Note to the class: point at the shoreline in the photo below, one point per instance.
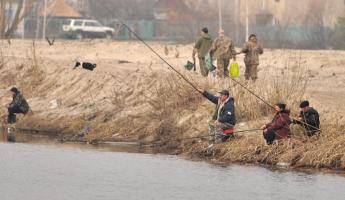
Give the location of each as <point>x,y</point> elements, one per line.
<point>151,149</point>
<point>141,100</point>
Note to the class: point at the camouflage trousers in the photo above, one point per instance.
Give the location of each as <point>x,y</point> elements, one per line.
<point>222,67</point>
<point>216,131</point>
<point>251,71</point>
<point>202,64</point>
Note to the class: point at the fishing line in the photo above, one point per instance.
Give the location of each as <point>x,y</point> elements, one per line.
<point>190,83</point>
<point>157,54</point>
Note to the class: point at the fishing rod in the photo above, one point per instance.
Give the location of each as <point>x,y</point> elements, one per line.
<point>190,83</point>
<point>196,137</point>
<point>159,56</point>
<point>268,104</point>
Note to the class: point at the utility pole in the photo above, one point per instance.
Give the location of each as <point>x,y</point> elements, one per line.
<point>237,18</point>
<point>220,14</point>
<point>44,20</point>
<point>23,21</point>
<point>247,20</point>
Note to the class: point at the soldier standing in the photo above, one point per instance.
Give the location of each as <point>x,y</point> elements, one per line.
<point>203,46</point>
<point>223,50</point>
<point>252,49</point>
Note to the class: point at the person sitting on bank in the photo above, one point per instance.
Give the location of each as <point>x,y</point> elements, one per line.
<point>308,118</point>
<point>279,128</point>
<point>18,105</point>
<point>223,120</point>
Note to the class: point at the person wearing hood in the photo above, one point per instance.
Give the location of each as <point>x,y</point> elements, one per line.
<point>224,119</point>
<point>279,128</point>
<point>309,118</point>
<point>18,105</point>
<point>202,47</point>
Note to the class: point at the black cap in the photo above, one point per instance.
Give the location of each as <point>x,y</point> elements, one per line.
<point>304,104</point>
<point>205,30</point>
<point>14,89</point>
<point>224,92</point>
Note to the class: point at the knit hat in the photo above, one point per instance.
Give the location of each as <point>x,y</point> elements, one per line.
<point>205,30</point>
<point>304,104</point>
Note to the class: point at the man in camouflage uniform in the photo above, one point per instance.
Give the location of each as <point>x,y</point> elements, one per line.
<point>223,50</point>
<point>202,47</point>
<point>18,105</point>
<point>252,49</point>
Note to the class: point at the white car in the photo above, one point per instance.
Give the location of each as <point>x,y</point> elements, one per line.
<point>85,28</point>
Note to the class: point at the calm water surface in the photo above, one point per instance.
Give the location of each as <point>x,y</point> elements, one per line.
<point>43,169</point>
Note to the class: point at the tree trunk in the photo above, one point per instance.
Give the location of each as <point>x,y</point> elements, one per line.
<point>2,18</point>
<point>8,26</point>
<point>17,19</point>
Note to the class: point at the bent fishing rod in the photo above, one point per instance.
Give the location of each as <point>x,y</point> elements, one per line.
<point>190,83</point>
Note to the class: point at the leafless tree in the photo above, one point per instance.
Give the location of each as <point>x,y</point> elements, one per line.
<point>8,25</point>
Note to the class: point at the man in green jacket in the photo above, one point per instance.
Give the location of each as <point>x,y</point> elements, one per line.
<point>202,47</point>
<point>18,105</point>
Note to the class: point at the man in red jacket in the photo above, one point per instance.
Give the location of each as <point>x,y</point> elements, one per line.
<point>279,128</point>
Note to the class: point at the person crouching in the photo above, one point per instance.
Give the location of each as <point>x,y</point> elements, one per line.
<point>18,105</point>
<point>223,121</point>
<point>279,128</point>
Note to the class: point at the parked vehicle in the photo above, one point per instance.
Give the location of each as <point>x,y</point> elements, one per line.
<point>85,28</point>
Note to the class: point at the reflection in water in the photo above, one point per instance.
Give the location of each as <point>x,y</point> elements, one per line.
<point>31,172</point>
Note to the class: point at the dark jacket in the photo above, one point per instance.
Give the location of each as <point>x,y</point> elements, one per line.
<point>311,117</point>
<point>19,101</point>
<point>280,125</point>
<point>226,113</point>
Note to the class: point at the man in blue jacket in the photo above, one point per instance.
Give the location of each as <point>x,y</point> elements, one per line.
<point>223,120</point>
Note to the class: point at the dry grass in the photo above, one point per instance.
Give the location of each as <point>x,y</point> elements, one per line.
<point>168,109</point>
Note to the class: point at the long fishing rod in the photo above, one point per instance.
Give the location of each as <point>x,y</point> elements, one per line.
<point>251,92</point>
<point>190,83</point>
<point>157,54</point>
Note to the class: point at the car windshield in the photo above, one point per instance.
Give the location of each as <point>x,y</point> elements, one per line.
<point>97,24</point>
<point>78,23</point>
<point>66,22</point>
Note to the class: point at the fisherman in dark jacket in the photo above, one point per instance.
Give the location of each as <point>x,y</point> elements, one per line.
<point>308,118</point>
<point>18,105</point>
<point>223,120</point>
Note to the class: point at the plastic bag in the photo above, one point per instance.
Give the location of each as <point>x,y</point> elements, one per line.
<point>209,62</point>
<point>234,71</point>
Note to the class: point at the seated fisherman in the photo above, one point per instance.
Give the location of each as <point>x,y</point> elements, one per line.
<point>279,128</point>
<point>223,120</point>
<point>308,118</point>
<point>18,105</point>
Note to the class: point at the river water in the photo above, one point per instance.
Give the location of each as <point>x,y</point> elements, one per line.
<point>43,169</point>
